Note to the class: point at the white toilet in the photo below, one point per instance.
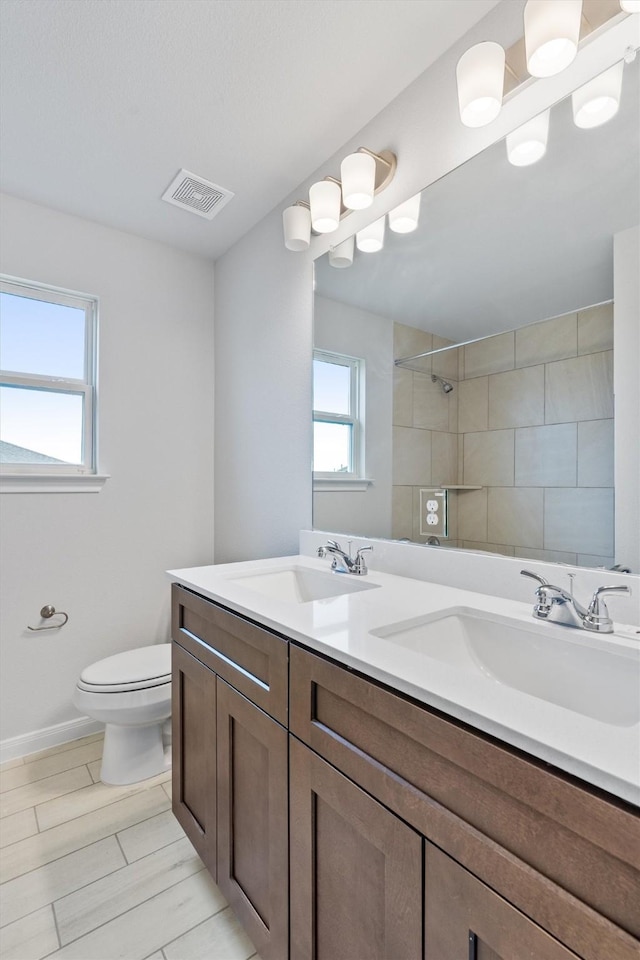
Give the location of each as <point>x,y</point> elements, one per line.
<point>131,694</point>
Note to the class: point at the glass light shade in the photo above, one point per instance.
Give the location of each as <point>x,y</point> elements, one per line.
<point>551,35</point>
<point>404,218</point>
<point>480,76</point>
<point>528,143</point>
<point>358,175</point>
<point>342,254</point>
<point>630,6</point>
<point>324,199</point>
<point>371,238</point>
<point>598,100</point>
<point>296,222</point>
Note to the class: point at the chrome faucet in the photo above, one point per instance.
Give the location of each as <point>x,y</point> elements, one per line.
<point>343,562</point>
<point>557,606</point>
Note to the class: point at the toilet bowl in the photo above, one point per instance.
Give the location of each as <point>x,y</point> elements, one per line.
<point>130,693</point>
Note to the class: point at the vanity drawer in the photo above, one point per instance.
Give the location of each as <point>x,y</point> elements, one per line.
<point>250,658</point>
<point>490,807</point>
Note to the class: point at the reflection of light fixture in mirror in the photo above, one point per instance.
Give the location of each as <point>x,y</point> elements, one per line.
<point>480,76</point>
<point>296,221</point>
<point>630,6</point>
<point>528,143</point>
<point>358,175</point>
<point>342,254</point>
<point>598,100</point>
<point>371,239</point>
<point>551,34</point>
<point>404,217</point>
<point>325,199</point>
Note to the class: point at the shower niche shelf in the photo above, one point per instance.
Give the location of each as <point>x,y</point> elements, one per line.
<point>456,486</point>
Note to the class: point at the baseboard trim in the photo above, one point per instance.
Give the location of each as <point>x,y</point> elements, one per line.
<point>38,740</point>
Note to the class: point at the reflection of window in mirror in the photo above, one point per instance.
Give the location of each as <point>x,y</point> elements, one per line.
<point>337,427</point>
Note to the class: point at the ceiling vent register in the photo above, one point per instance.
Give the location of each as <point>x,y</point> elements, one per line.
<point>196,195</point>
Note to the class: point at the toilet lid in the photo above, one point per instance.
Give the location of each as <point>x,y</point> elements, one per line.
<point>143,667</point>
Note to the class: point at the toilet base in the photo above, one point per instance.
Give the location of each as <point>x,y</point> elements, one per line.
<point>132,753</point>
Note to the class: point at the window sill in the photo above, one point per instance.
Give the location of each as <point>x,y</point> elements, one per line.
<point>341,484</point>
<point>72,483</point>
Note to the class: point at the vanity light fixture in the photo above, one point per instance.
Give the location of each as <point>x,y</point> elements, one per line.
<point>365,174</point>
<point>598,100</point>
<point>296,222</point>
<point>480,77</point>
<point>358,174</point>
<point>341,255</point>
<point>404,218</point>
<point>551,35</point>
<point>371,238</point>
<point>528,143</point>
<point>324,201</point>
<point>630,6</point>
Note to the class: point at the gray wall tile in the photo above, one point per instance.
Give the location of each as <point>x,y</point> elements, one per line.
<point>411,456</point>
<point>488,458</point>
<point>516,398</point>
<point>550,340</point>
<point>546,456</point>
<point>595,329</point>
<point>515,515</point>
<point>579,519</point>
<point>595,453</point>
<point>579,389</point>
<point>472,514</point>
<point>473,405</point>
<point>492,355</point>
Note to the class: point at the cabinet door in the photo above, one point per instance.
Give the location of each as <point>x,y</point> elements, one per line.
<point>356,870</point>
<point>465,918</point>
<point>253,820</point>
<point>193,693</point>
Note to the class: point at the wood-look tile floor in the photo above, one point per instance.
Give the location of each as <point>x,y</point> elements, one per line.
<point>93,872</point>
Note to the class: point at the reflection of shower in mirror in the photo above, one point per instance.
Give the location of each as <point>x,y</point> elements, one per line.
<point>446,386</point>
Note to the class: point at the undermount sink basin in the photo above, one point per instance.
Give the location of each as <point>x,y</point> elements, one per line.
<point>562,665</point>
<point>301,584</point>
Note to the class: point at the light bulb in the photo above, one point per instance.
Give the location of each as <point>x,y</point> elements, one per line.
<point>598,100</point>
<point>341,255</point>
<point>324,200</point>
<point>404,218</point>
<point>528,143</point>
<point>371,239</point>
<point>480,77</point>
<point>358,175</point>
<point>551,35</point>
<point>296,222</point>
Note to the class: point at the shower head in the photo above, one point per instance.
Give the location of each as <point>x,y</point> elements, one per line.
<point>446,386</point>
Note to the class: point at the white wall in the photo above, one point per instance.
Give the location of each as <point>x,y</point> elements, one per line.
<point>264,297</point>
<point>101,557</point>
<point>626,389</point>
<point>344,329</point>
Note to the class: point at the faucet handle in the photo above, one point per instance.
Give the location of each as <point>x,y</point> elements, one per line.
<point>534,576</point>
<point>359,566</point>
<point>598,613</point>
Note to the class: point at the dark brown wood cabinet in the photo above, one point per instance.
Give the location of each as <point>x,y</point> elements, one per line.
<point>253,861</point>
<point>356,870</point>
<point>193,695</point>
<point>345,821</point>
<point>230,762</point>
<point>464,918</point>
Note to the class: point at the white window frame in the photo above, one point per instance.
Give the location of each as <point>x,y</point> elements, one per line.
<point>353,478</point>
<point>23,477</point>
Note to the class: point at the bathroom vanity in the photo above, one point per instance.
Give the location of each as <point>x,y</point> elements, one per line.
<point>349,808</point>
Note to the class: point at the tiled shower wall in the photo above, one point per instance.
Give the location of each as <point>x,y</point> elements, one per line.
<point>531,423</point>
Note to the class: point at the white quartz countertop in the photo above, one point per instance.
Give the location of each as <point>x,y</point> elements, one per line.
<point>605,754</point>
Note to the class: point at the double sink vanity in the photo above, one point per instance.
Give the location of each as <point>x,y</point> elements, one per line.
<point>383,767</point>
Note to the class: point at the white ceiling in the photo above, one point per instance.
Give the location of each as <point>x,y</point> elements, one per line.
<point>103,101</point>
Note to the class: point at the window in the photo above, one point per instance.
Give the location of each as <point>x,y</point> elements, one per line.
<point>337,427</point>
<point>47,377</point>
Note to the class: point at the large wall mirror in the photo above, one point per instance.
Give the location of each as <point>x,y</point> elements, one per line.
<point>495,432</point>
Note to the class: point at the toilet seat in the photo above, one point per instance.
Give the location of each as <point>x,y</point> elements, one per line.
<point>138,669</point>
